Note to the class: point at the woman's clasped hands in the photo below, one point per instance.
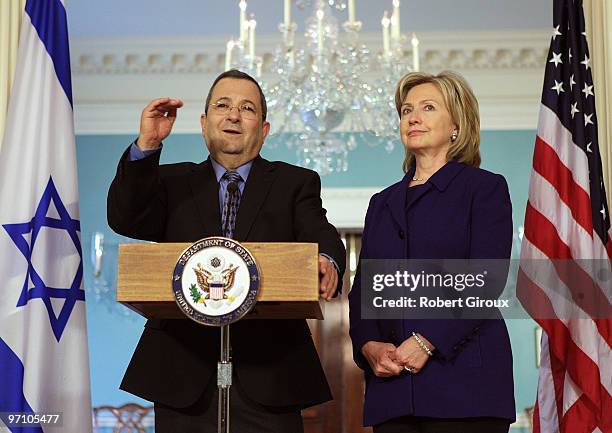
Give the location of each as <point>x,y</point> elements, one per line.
<point>387,360</point>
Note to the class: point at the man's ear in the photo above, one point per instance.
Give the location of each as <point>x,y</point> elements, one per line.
<point>265,130</point>
<point>203,122</point>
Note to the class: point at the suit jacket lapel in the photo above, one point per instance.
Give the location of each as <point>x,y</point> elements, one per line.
<point>206,194</point>
<point>396,201</point>
<point>415,198</point>
<point>440,180</point>
<point>256,190</point>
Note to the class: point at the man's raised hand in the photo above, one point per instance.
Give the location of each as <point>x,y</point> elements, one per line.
<point>156,122</point>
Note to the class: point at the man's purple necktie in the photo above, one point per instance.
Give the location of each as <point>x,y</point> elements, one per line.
<point>230,203</point>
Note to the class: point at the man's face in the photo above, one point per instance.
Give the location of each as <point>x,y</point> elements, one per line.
<point>230,138</point>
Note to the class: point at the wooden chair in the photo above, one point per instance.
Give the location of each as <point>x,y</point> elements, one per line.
<point>529,415</point>
<point>128,418</point>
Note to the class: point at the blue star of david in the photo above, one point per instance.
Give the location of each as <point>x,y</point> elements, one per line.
<point>40,290</point>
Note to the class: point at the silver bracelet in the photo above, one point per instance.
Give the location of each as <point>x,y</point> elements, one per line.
<point>422,344</point>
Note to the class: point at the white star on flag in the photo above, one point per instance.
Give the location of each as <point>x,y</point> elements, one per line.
<point>558,87</point>
<point>587,119</point>
<point>572,82</point>
<point>586,62</point>
<point>556,59</point>
<point>574,109</point>
<point>589,147</point>
<point>556,32</point>
<point>588,90</point>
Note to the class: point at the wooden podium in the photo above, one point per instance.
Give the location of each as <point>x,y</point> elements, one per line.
<point>289,289</point>
<point>289,279</point>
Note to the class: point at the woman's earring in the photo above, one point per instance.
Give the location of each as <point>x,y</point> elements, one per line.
<point>453,136</point>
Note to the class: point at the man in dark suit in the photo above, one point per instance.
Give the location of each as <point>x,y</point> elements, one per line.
<point>277,371</point>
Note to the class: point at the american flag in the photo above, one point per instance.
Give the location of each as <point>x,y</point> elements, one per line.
<point>566,221</point>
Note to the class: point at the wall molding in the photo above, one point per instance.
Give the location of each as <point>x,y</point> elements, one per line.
<point>346,207</point>
<point>439,50</point>
<point>115,78</point>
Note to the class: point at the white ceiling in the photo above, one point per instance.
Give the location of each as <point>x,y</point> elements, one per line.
<point>155,18</point>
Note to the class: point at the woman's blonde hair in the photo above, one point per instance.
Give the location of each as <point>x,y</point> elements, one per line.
<point>462,106</point>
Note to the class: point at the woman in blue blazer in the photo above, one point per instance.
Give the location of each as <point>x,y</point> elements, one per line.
<point>436,375</point>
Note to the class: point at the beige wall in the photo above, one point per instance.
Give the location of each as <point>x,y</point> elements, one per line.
<point>598,17</point>
<point>11,12</point>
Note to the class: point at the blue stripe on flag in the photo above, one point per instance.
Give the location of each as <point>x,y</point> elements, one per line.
<point>49,19</point>
<point>12,398</point>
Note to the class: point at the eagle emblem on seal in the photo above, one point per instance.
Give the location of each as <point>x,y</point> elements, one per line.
<point>214,280</point>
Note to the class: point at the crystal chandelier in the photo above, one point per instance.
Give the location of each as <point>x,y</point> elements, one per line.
<point>320,104</point>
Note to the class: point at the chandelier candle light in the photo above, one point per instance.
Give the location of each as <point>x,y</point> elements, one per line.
<point>386,22</point>
<point>287,14</point>
<point>351,11</point>
<point>228,54</point>
<point>320,15</point>
<point>395,22</point>
<point>243,29</point>
<point>251,25</point>
<point>240,53</point>
<point>415,52</point>
<point>320,103</point>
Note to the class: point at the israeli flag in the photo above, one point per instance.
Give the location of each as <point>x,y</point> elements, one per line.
<point>44,365</point>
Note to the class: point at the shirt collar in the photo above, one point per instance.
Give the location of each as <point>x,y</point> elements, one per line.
<point>441,178</point>
<point>243,170</point>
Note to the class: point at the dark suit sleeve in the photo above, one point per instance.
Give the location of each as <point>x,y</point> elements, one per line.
<point>490,238</point>
<point>136,203</point>
<point>311,224</point>
<point>361,331</point>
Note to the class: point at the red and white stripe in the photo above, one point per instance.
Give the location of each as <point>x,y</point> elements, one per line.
<point>216,292</point>
<point>575,384</point>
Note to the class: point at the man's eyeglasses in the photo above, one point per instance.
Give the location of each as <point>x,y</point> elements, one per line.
<point>246,109</point>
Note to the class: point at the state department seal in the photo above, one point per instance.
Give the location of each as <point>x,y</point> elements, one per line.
<point>215,281</point>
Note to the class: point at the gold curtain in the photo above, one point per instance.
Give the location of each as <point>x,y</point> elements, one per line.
<point>598,18</point>
<point>11,12</point>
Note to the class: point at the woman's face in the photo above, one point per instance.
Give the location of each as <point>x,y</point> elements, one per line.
<point>426,124</point>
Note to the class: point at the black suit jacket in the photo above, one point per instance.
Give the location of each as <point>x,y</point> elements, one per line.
<point>175,360</point>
